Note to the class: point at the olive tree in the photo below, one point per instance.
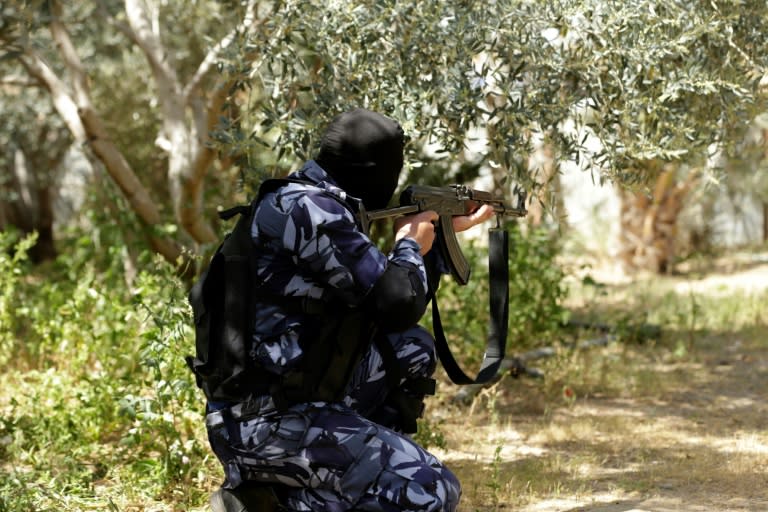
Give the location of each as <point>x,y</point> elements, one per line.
<point>676,87</point>
<point>668,90</point>
<point>57,47</point>
<point>249,83</point>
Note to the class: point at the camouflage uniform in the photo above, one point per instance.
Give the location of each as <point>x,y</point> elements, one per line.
<point>328,456</point>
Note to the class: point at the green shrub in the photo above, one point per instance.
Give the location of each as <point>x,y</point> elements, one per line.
<point>99,409</point>
<point>168,409</point>
<point>96,391</point>
<point>14,266</point>
<point>536,288</point>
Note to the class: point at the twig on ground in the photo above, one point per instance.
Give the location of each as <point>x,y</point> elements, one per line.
<point>518,365</point>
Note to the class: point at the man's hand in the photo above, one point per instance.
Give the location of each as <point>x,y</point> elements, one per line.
<point>464,222</point>
<point>420,227</point>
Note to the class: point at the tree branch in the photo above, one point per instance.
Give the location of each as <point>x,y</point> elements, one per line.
<point>190,200</point>
<point>123,28</point>
<point>210,59</point>
<point>63,102</point>
<point>145,38</point>
<point>220,92</point>
<point>70,56</point>
<point>129,184</point>
<point>20,81</point>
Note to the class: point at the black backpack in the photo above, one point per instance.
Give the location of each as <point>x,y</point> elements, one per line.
<point>222,306</point>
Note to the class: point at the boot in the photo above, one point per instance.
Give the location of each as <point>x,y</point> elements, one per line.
<point>245,498</point>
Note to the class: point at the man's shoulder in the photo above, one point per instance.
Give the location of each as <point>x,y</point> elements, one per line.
<point>306,204</point>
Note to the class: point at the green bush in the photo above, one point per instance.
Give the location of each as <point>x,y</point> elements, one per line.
<point>14,266</point>
<point>536,288</point>
<point>96,391</point>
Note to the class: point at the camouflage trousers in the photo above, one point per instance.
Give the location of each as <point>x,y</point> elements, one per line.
<point>330,456</point>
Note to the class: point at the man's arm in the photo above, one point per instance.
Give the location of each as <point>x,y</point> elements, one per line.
<point>329,247</point>
<point>421,228</point>
<point>450,203</point>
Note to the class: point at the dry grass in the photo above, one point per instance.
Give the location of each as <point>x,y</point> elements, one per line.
<point>678,423</point>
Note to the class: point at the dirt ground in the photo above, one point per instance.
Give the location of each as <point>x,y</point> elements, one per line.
<point>685,432</point>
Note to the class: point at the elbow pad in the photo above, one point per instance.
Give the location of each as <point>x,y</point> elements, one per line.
<point>398,299</point>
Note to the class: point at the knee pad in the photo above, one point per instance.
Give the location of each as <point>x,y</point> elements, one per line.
<point>405,404</point>
<point>422,350</point>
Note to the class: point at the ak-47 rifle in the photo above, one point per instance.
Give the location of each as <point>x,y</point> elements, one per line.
<point>449,202</point>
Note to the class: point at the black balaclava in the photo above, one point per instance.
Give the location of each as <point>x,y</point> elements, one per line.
<point>363,152</point>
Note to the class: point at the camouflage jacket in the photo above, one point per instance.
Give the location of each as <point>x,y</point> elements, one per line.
<point>309,244</point>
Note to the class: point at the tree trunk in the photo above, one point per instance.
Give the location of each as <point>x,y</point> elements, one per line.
<point>186,142</point>
<point>26,202</point>
<point>765,222</point>
<point>649,221</point>
<point>765,156</point>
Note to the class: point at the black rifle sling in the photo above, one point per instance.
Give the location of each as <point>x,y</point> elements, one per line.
<point>498,270</point>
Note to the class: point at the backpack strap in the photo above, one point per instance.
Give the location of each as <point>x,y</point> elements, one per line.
<point>235,210</point>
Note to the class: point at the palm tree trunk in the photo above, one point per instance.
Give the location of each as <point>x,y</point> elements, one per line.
<point>649,220</point>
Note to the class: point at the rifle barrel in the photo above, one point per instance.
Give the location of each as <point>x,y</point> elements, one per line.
<point>505,209</point>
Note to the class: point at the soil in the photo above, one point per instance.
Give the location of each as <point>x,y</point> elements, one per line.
<point>686,429</point>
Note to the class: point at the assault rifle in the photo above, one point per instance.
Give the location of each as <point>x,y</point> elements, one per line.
<point>449,202</point>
